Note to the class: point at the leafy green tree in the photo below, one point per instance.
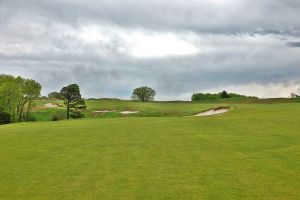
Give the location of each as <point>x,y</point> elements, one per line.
<point>10,93</point>
<point>224,95</point>
<point>28,89</point>
<point>32,91</point>
<point>76,108</point>
<point>143,94</point>
<point>17,95</point>
<point>72,99</point>
<point>55,95</point>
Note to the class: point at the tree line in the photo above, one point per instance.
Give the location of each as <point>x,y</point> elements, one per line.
<point>216,96</point>
<point>142,94</point>
<point>16,97</point>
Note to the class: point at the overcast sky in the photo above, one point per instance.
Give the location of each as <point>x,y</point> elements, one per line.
<point>177,47</point>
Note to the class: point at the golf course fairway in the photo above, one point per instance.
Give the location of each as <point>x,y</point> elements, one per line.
<point>251,152</point>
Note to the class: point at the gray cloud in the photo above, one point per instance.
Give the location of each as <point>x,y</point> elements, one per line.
<point>240,43</point>
<point>233,17</point>
<point>293,44</point>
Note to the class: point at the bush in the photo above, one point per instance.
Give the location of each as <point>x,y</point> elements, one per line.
<point>30,118</point>
<point>59,115</point>
<point>5,118</point>
<point>76,114</point>
<point>207,96</point>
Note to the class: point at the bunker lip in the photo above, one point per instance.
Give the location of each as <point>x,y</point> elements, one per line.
<point>214,111</point>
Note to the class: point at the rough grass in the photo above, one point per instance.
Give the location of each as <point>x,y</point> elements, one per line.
<point>252,152</point>
<point>152,109</point>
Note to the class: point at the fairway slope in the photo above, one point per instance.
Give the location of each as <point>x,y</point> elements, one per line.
<point>250,153</point>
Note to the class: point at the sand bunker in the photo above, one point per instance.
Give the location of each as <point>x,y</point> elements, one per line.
<point>214,111</point>
<point>125,112</point>
<point>128,112</point>
<point>104,111</point>
<point>50,105</point>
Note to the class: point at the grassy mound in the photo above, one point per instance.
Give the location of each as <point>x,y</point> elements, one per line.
<point>152,109</point>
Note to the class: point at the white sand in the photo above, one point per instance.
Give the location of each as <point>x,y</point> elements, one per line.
<point>125,112</point>
<point>215,111</point>
<point>128,112</point>
<point>50,105</point>
<point>104,111</point>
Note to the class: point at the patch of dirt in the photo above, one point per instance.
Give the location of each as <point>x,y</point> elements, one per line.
<point>214,111</point>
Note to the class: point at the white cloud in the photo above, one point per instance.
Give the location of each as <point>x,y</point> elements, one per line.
<point>222,2</point>
<point>138,43</point>
<point>159,45</point>
<point>94,34</point>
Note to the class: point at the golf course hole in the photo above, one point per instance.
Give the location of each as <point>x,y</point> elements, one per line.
<point>215,111</point>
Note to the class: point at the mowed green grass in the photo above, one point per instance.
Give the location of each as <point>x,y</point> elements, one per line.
<point>251,152</point>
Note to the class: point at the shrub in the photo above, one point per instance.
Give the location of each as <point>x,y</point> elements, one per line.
<point>59,115</point>
<point>5,118</point>
<point>30,118</point>
<point>76,114</point>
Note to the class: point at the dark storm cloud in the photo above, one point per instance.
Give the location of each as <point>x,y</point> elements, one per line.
<point>232,17</point>
<point>170,77</point>
<point>294,44</point>
<point>240,42</point>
